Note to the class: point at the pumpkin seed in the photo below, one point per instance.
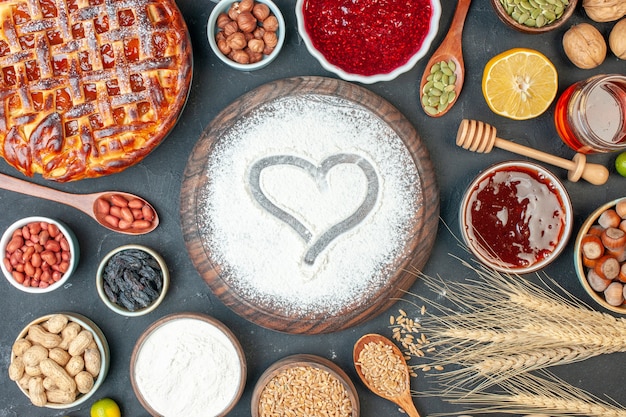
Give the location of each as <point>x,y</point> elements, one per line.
<point>535,13</point>
<point>440,88</point>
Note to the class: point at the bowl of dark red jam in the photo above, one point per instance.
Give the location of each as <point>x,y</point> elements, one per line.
<point>368,41</point>
<point>132,280</point>
<point>516,217</point>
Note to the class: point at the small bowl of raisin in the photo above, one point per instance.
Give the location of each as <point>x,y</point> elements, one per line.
<point>132,280</point>
<point>246,34</point>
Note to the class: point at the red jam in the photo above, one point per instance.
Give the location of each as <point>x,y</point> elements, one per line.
<point>515,216</point>
<point>367,37</point>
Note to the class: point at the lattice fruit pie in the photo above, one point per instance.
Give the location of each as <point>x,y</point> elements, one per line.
<point>89,87</point>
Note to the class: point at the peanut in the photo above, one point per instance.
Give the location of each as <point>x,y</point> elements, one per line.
<point>59,355</point>
<point>49,384</point>
<point>36,392</point>
<point>32,370</point>
<point>16,369</point>
<point>59,375</point>
<point>92,361</point>
<point>23,381</point>
<point>75,365</point>
<point>80,343</point>
<point>68,334</point>
<point>20,346</point>
<point>56,323</point>
<point>84,382</point>
<point>38,335</point>
<point>121,213</point>
<point>61,397</point>
<point>34,355</point>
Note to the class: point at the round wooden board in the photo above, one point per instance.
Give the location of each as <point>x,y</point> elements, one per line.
<point>422,234</point>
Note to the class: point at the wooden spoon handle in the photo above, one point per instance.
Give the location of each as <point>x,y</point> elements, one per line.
<point>28,188</point>
<point>406,402</point>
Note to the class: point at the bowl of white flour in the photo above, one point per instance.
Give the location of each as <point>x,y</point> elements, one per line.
<point>188,364</point>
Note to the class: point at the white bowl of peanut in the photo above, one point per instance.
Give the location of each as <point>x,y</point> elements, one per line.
<point>59,360</point>
<point>246,34</point>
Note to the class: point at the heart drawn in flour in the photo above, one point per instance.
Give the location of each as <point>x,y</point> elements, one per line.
<point>319,174</point>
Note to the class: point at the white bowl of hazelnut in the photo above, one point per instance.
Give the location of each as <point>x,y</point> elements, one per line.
<point>246,34</point>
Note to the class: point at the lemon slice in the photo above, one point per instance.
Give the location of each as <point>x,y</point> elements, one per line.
<point>519,83</point>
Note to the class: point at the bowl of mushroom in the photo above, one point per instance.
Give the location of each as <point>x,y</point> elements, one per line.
<point>59,360</point>
<point>246,34</point>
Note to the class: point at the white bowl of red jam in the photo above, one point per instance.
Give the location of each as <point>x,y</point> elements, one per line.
<point>368,41</point>
<point>516,217</point>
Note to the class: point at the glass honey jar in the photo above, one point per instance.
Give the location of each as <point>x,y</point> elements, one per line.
<point>590,115</point>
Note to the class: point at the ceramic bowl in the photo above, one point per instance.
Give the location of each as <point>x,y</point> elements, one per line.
<point>531,210</point>
<point>72,247</point>
<point>312,363</point>
<point>369,79</point>
<point>119,306</point>
<point>212,29</point>
<point>187,356</point>
<point>101,343</point>
<point>503,13</point>
<point>595,286</point>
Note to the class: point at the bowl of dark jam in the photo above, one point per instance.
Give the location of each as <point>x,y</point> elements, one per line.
<point>516,217</point>
<point>132,280</point>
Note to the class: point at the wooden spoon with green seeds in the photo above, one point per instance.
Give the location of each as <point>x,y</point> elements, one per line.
<point>445,71</point>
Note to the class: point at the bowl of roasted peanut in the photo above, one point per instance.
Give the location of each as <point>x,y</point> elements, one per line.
<point>246,34</point>
<point>40,254</point>
<point>600,255</point>
<point>59,360</point>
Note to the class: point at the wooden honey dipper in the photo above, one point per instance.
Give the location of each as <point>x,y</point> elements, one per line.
<point>478,136</point>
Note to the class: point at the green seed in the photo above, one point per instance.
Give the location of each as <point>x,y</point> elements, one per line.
<point>450,87</point>
<point>431,110</point>
<point>451,96</point>
<point>443,99</point>
<point>427,87</point>
<point>452,65</point>
<point>435,68</point>
<point>435,92</point>
<point>432,100</point>
<point>437,76</point>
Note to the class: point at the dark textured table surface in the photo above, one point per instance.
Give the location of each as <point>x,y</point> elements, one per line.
<point>158,178</point>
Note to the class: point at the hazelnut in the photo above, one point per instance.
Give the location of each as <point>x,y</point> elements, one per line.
<point>240,56</point>
<point>270,39</point>
<point>268,50</point>
<point>246,5</point>
<point>233,11</point>
<point>254,56</point>
<point>261,11</point>
<point>246,22</point>
<point>270,23</point>
<point>222,20</point>
<point>256,45</point>
<point>236,41</point>
<point>230,28</point>
<point>258,32</point>
<point>584,46</point>
<point>617,39</point>
<point>222,45</point>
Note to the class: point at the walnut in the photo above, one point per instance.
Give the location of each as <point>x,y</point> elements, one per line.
<point>617,39</point>
<point>605,10</point>
<point>584,46</point>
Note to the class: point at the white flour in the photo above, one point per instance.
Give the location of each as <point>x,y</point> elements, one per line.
<point>187,367</point>
<point>261,255</point>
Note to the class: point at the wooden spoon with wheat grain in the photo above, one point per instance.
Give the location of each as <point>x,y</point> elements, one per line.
<point>383,369</point>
